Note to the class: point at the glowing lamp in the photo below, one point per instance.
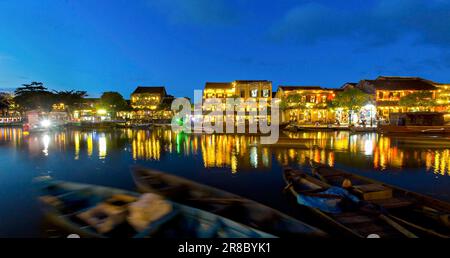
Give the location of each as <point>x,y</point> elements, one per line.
<point>101,112</point>
<point>45,123</point>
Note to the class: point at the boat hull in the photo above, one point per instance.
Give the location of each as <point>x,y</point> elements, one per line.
<point>249,212</point>
<point>181,213</point>
<point>414,129</point>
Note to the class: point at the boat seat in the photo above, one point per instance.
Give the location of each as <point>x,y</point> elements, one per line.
<point>392,203</point>
<point>353,219</point>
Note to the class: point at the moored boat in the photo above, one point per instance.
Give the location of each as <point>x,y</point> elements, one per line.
<point>416,211</point>
<point>355,129</point>
<point>444,129</point>
<point>416,122</point>
<point>223,203</point>
<point>340,209</point>
<point>99,212</point>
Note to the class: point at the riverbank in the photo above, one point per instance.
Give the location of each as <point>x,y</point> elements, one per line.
<point>17,124</point>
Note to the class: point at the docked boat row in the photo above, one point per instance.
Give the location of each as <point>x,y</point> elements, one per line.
<point>399,123</point>
<point>361,206</point>
<point>101,212</point>
<point>168,206</point>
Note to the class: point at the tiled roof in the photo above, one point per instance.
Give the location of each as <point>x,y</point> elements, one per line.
<point>301,88</point>
<point>150,89</point>
<point>401,84</point>
<point>218,85</point>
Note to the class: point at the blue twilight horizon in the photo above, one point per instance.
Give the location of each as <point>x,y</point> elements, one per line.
<point>116,45</point>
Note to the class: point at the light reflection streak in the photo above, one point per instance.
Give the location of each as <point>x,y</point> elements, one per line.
<point>235,152</point>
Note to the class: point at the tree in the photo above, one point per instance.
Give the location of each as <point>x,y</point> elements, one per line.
<point>418,99</point>
<point>292,101</point>
<point>33,96</point>
<point>351,100</point>
<point>5,102</point>
<point>70,98</point>
<point>113,101</point>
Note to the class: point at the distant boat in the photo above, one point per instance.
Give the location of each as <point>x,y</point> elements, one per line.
<point>223,203</point>
<point>418,212</point>
<point>99,212</point>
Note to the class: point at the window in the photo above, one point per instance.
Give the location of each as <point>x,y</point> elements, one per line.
<point>265,93</point>
<point>254,93</point>
<point>380,95</point>
<point>242,93</point>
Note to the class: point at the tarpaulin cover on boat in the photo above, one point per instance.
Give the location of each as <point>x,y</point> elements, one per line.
<point>327,204</point>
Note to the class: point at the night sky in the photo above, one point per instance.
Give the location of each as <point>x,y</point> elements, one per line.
<point>115,45</point>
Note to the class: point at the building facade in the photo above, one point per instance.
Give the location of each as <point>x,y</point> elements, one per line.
<point>147,97</point>
<point>306,104</point>
<point>258,90</point>
<point>150,103</point>
<point>388,91</point>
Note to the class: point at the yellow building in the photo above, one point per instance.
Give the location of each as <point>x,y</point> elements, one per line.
<point>86,110</point>
<point>150,103</point>
<point>257,89</point>
<point>389,90</point>
<point>443,96</point>
<point>245,89</point>
<point>147,97</point>
<point>306,104</point>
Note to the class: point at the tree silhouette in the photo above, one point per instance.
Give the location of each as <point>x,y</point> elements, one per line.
<point>33,96</point>
<point>5,102</point>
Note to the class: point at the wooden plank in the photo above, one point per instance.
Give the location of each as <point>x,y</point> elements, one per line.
<point>393,203</point>
<point>371,192</point>
<point>354,219</point>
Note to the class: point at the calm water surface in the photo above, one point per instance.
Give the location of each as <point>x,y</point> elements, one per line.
<point>229,162</point>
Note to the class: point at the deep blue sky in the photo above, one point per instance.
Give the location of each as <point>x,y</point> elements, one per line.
<point>102,45</point>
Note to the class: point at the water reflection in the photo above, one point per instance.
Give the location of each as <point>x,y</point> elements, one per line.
<point>238,153</point>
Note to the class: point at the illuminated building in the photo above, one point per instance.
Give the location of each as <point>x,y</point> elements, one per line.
<point>11,113</point>
<point>151,103</point>
<point>147,97</point>
<point>86,110</point>
<point>59,107</point>
<point>389,90</point>
<point>306,104</point>
<point>246,89</point>
<point>443,99</point>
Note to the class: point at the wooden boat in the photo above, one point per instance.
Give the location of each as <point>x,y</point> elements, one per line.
<point>355,129</point>
<point>283,125</point>
<point>414,129</point>
<point>283,143</point>
<point>416,211</point>
<point>75,207</point>
<point>416,122</point>
<point>344,213</point>
<point>220,202</point>
<point>142,126</point>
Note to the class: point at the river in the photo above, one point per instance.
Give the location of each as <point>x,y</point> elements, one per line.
<point>230,162</point>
